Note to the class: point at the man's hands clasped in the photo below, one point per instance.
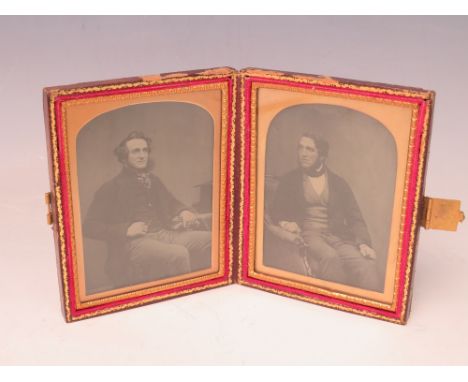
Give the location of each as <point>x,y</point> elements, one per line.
<point>186,220</point>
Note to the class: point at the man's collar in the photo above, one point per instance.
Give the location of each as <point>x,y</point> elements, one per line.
<point>314,173</point>
<point>132,172</point>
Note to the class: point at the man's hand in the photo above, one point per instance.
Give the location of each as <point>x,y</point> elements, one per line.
<point>137,229</point>
<point>293,238</point>
<point>367,251</point>
<point>189,219</point>
<point>292,227</point>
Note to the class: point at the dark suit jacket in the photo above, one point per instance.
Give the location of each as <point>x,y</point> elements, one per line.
<point>345,218</point>
<point>119,203</point>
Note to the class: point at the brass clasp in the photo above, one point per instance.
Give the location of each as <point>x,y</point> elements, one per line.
<point>442,214</point>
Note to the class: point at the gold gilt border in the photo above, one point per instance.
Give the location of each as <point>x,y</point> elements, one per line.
<point>422,95</point>
<point>331,82</point>
<point>195,88</point>
<point>252,241</point>
<point>59,221</point>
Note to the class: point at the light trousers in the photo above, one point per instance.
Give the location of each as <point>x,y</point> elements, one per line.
<point>166,253</point>
<point>340,261</point>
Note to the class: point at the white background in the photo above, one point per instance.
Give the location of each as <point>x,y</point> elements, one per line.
<point>230,325</point>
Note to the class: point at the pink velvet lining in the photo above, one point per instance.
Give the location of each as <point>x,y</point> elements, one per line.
<point>409,206</point>
<point>65,194</point>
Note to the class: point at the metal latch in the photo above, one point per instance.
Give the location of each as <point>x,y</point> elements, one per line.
<point>442,214</point>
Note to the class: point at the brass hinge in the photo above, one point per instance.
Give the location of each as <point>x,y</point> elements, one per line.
<point>48,202</point>
<point>442,214</point>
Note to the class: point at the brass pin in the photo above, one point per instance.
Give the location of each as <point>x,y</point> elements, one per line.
<point>48,202</point>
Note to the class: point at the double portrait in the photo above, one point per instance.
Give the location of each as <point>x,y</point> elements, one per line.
<point>172,184</point>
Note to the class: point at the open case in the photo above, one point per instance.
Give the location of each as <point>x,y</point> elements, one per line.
<point>306,186</point>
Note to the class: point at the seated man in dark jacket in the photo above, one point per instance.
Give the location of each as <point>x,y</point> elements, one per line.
<point>149,233</point>
<point>317,211</point>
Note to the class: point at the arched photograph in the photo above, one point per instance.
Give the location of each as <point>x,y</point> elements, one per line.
<point>329,188</point>
<point>146,209</point>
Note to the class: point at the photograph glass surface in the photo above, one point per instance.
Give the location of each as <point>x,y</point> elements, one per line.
<point>145,177</point>
<point>329,188</point>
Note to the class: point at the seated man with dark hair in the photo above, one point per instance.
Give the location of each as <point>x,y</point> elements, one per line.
<point>316,210</point>
<point>149,233</point>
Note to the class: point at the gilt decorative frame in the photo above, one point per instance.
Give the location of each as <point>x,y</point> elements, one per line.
<point>421,102</point>
<point>56,103</point>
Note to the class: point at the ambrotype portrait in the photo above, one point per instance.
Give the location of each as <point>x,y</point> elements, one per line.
<point>329,177</point>
<point>147,207</point>
<point>141,188</point>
